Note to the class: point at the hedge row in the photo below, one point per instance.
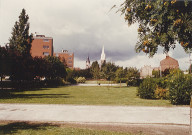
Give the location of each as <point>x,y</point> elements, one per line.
<point>177,88</point>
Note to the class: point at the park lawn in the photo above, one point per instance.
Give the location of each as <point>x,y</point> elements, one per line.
<point>24,128</point>
<point>82,95</point>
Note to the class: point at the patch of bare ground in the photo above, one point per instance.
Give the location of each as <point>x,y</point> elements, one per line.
<point>143,129</point>
<point>147,129</point>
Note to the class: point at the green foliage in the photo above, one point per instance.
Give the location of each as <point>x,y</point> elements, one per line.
<point>161,23</point>
<point>95,70</point>
<point>161,93</point>
<point>156,74</point>
<point>81,80</point>
<point>123,80</point>
<point>108,71</point>
<point>82,73</point>
<point>147,88</point>
<point>69,77</point>
<point>133,76</point>
<point>20,39</point>
<point>55,68</point>
<point>180,89</point>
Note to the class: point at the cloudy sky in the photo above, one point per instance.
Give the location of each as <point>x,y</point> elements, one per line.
<point>83,27</point>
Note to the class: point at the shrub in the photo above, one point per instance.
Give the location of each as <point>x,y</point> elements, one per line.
<point>147,88</point>
<point>180,89</point>
<point>123,80</point>
<point>161,93</point>
<point>162,82</point>
<point>81,80</point>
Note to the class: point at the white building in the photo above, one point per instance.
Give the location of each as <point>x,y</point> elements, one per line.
<point>146,71</point>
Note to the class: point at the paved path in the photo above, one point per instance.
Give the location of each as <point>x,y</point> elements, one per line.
<point>96,114</point>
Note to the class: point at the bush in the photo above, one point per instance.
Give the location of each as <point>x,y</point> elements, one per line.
<point>180,89</point>
<point>123,80</point>
<point>161,93</point>
<point>147,88</point>
<point>81,80</point>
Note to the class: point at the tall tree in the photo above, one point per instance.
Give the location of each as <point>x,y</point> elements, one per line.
<point>161,23</point>
<point>20,39</point>
<point>95,69</point>
<point>119,73</point>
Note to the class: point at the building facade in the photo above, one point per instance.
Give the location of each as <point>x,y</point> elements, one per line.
<point>66,57</point>
<point>168,63</point>
<point>42,46</point>
<point>146,71</point>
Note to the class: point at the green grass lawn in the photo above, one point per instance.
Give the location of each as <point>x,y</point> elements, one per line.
<point>24,128</point>
<point>81,95</point>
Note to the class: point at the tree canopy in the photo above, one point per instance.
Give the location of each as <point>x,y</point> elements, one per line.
<point>20,38</point>
<point>161,23</point>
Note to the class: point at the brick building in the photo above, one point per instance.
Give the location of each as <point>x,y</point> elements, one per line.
<point>169,63</point>
<point>42,46</point>
<point>66,57</point>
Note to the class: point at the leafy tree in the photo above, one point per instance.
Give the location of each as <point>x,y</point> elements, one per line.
<point>4,68</point>
<point>55,68</point>
<point>119,73</point>
<point>108,70</point>
<point>82,73</point>
<point>95,69</point>
<point>132,76</point>
<point>156,73</point>
<point>161,23</point>
<point>20,39</point>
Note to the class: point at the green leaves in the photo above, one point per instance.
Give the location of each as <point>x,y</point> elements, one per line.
<point>20,39</point>
<point>163,21</point>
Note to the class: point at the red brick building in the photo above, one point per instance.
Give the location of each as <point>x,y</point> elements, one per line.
<point>42,46</point>
<point>66,57</point>
<point>169,63</point>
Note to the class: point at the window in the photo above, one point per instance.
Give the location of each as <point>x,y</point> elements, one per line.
<point>70,58</point>
<point>45,40</point>
<point>45,47</point>
<point>70,62</point>
<point>46,53</point>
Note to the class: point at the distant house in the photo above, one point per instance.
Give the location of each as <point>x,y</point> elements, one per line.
<point>146,71</point>
<point>169,63</point>
<point>66,57</point>
<point>42,46</point>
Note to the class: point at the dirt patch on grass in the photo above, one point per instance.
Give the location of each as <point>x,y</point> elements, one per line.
<point>144,129</point>
<point>147,129</point>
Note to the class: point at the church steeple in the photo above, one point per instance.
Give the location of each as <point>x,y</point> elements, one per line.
<point>103,56</point>
<point>88,64</point>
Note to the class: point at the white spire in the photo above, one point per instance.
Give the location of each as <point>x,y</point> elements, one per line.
<point>103,55</point>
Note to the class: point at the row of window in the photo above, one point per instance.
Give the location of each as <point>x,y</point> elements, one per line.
<point>45,47</point>
<point>45,40</point>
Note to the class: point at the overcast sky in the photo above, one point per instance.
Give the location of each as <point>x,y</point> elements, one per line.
<point>83,27</point>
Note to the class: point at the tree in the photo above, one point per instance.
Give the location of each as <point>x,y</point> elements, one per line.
<point>95,69</point>
<point>132,76</point>
<point>55,68</point>
<point>161,23</point>
<point>4,68</point>
<point>119,73</point>
<point>108,70</point>
<point>20,39</point>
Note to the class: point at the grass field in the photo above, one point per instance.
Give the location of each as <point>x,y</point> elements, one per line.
<point>24,128</point>
<point>81,95</point>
